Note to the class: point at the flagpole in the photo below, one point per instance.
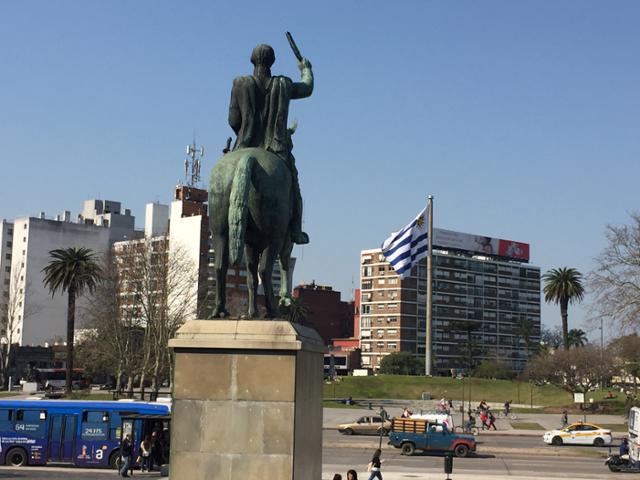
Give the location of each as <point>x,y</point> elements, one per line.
<point>428,333</point>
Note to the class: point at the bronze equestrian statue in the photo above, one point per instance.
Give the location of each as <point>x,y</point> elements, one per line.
<point>255,205</point>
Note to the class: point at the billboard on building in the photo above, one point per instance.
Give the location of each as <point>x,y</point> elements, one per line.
<point>481,244</point>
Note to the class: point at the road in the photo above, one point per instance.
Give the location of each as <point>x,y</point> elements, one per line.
<point>499,456</point>
<point>507,444</point>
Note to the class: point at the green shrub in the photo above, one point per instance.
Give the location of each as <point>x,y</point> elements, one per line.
<point>401,363</point>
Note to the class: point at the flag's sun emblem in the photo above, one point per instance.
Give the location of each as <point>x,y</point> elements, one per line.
<point>420,221</point>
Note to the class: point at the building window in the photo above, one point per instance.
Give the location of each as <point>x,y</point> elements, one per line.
<point>380,344</point>
<point>381,281</point>
<point>392,319</point>
<point>391,346</point>
<point>392,281</point>
<point>366,271</point>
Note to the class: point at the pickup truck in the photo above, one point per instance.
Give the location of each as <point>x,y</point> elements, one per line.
<point>411,434</point>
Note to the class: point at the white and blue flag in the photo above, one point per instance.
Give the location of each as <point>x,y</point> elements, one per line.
<point>405,248</point>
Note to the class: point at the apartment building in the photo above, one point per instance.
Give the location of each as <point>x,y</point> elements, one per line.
<point>40,317</point>
<point>6,245</point>
<point>486,304</point>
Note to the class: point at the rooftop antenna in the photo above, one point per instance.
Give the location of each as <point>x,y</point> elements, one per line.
<point>192,163</point>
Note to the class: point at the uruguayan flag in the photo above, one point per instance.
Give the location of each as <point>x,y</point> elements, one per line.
<point>403,249</point>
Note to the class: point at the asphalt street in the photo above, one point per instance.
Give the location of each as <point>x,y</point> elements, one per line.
<point>498,456</point>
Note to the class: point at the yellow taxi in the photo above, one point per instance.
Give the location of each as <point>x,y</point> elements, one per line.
<point>580,433</point>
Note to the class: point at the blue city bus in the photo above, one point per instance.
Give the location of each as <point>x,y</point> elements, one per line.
<point>80,433</point>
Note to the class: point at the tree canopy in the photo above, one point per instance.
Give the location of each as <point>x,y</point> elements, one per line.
<point>563,286</point>
<point>401,363</point>
<point>615,280</point>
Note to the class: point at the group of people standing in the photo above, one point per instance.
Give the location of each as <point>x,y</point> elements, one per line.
<point>151,452</point>
<point>374,468</point>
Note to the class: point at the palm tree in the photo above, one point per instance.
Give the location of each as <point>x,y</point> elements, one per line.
<point>523,329</point>
<point>72,270</point>
<point>577,337</point>
<point>294,310</point>
<point>563,286</point>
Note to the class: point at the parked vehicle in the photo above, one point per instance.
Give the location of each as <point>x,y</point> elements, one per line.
<point>73,433</point>
<point>579,433</point>
<point>411,434</point>
<point>367,425</point>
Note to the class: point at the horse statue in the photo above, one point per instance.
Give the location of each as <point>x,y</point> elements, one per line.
<point>250,208</point>
<point>255,206</point>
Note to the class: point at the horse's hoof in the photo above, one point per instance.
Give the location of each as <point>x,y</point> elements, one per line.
<point>220,313</point>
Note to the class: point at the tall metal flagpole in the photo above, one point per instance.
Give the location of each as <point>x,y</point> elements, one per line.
<point>427,350</point>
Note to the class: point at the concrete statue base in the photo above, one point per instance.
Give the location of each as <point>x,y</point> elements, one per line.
<point>247,401</point>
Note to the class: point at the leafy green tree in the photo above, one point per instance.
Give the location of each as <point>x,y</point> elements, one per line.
<point>563,286</point>
<point>74,271</point>
<point>401,363</point>
<point>577,338</point>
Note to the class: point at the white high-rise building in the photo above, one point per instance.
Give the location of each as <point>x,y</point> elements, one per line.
<point>156,220</point>
<point>6,241</point>
<point>39,316</point>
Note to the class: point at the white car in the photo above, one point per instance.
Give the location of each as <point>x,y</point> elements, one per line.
<point>579,434</point>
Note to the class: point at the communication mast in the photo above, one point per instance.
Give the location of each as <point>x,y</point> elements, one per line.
<point>192,164</point>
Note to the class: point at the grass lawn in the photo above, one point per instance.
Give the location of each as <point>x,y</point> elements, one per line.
<point>8,394</point>
<point>527,426</point>
<point>411,387</point>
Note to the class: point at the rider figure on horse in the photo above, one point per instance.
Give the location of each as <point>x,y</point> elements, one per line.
<point>258,115</point>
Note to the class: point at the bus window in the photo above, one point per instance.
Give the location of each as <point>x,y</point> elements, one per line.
<point>5,420</point>
<point>115,426</point>
<point>31,422</point>
<point>95,425</point>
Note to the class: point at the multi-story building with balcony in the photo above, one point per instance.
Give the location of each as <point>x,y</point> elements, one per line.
<point>486,304</point>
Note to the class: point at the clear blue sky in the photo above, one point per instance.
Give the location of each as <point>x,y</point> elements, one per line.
<point>521,118</point>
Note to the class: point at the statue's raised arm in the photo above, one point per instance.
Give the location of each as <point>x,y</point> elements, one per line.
<point>304,88</point>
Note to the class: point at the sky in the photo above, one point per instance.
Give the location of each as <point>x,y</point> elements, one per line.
<point>520,118</point>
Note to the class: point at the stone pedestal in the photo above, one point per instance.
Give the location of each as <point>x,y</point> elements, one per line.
<point>247,401</point>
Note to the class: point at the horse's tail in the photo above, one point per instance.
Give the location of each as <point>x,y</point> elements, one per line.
<point>238,207</point>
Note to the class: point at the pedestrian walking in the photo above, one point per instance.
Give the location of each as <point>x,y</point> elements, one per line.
<point>352,475</point>
<point>145,454</point>
<point>375,465</point>
<point>483,419</point>
<point>565,419</point>
<point>492,421</point>
<point>156,456</point>
<point>126,452</point>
